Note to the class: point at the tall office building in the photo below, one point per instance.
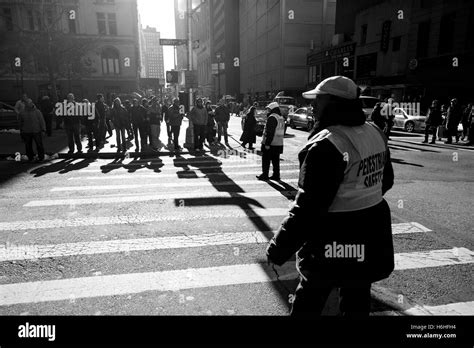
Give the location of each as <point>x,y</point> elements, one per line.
<point>275,38</point>
<point>152,53</point>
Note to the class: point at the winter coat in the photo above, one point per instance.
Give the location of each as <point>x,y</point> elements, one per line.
<point>119,116</point>
<point>453,117</point>
<point>198,116</point>
<point>222,114</point>
<point>138,115</point>
<point>32,121</point>
<point>249,135</point>
<point>173,116</point>
<point>309,227</point>
<point>101,110</point>
<point>154,114</point>
<point>434,118</point>
<point>378,119</point>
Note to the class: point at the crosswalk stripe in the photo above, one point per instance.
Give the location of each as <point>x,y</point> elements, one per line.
<point>113,285</point>
<point>33,252</point>
<point>433,258</point>
<point>458,308</point>
<point>402,148</point>
<point>174,175</point>
<point>199,183</point>
<point>182,214</point>
<point>155,197</point>
<point>11,252</point>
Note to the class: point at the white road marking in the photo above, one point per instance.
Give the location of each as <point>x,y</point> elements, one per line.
<point>433,258</point>
<point>199,183</point>
<point>182,214</point>
<point>458,308</point>
<point>113,285</point>
<point>31,252</point>
<point>154,197</point>
<point>395,147</point>
<point>409,227</point>
<point>158,176</point>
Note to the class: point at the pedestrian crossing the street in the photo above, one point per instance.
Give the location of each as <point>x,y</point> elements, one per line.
<point>187,239</point>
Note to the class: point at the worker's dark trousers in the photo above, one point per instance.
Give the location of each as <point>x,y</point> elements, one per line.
<point>273,156</point>
<point>311,296</point>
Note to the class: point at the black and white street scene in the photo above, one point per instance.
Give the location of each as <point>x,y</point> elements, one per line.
<point>237,158</point>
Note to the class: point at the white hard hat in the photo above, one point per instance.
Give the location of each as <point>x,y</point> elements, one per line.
<point>272,105</point>
<point>339,86</point>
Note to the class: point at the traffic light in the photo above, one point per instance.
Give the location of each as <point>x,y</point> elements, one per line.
<point>172,77</point>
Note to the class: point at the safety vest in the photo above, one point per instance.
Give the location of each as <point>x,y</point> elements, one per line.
<point>365,150</point>
<point>279,131</point>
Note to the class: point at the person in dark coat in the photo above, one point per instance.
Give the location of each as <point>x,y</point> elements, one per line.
<point>211,125</point>
<point>249,136</point>
<point>465,121</point>
<point>101,110</point>
<point>377,117</point>
<point>454,116</point>
<point>92,128</point>
<point>222,118</point>
<point>32,126</point>
<point>433,121</point>
<point>174,118</point>
<point>72,125</point>
<point>120,119</point>
<point>46,107</point>
<point>339,224</point>
<point>138,118</point>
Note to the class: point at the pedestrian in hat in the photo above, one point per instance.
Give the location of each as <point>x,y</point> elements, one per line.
<point>249,135</point>
<point>339,224</point>
<point>272,142</point>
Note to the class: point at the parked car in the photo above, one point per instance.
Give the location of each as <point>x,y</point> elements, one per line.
<point>368,104</point>
<point>287,106</point>
<point>8,117</point>
<point>302,117</point>
<point>410,123</point>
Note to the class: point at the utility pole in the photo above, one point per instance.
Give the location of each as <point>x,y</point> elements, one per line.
<point>190,46</point>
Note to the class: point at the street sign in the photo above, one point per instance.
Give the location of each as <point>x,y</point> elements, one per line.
<point>173,42</point>
<point>191,80</point>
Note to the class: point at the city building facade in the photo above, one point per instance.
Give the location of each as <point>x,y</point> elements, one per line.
<point>152,53</point>
<point>78,46</point>
<point>275,38</point>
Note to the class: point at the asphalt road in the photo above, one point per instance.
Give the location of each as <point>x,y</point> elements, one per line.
<point>186,235</point>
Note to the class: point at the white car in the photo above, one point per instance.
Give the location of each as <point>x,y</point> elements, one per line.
<point>410,123</point>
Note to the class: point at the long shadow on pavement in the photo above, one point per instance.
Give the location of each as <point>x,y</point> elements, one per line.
<point>248,205</point>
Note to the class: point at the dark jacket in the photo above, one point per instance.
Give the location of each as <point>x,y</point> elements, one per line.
<point>378,119</point>
<point>32,121</point>
<point>72,121</point>
<point>173,116</point>
<point>100,111</point>
<point>138,115</point>
<point>119,116</point>
<point>154,114</point>
<point>309,227</point>
<point>454,116</point>
<point>434,118</point>
<point>198,116</point>
<point>46,106</point>
<point>249,135</point>
<point>222,114</point>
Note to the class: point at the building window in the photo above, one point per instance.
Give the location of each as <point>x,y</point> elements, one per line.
<point>446,35</point>
<point>31,20</point>
<point>363,34</point>
<point>423,38</point>
<point>112,23</point>
<point>101,23</point>
<point>396,43</point>
<point>7,14</point>
<point>110,62</point>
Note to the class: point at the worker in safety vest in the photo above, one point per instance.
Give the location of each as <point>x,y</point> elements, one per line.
<point>339,223</point>
<point>272,142</point>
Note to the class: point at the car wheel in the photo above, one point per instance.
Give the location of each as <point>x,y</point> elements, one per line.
<point>410,127</point>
